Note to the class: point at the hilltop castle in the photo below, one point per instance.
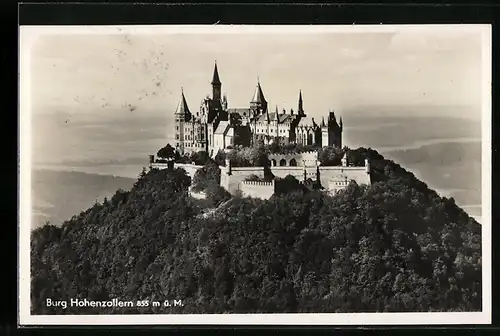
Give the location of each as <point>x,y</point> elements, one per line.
<point>216,127</point>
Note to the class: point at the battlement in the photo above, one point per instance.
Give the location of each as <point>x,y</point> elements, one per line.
<point>258,183</point>
<point>294,153</point>
<point>257,189</point>
<point>309,158</point>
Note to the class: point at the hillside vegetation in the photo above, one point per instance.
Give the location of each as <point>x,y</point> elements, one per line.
<point>392,246</point>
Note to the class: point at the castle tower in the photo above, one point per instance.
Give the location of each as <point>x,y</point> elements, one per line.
<point>182,116</point>
<point>258,103</point>
<point>216,85</point>
<point>324,133</point>
<point>224,102</point>
<point>300,109</point>
<point>334,131</point>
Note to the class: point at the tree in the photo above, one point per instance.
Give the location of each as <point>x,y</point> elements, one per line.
<point>217,195</point>
<point>288,184</point>
<point>330,156</point>
<point>166,152</point>
<point>207,176</point>
<point>253,177</point>
<point>199,158</point>
<point>220,158</point>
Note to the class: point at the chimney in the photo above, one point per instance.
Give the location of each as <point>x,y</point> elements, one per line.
<point>151,159</point>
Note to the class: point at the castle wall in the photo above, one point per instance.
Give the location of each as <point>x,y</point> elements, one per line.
<point>310,158</point>
<point>231,178</point>
<point>189,168</point>
<point>297,172</point>
<point>257,189</point>
<point>338,173</point>
<point>334,186</point>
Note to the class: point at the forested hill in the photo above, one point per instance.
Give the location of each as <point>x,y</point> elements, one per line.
<point>392,246</point>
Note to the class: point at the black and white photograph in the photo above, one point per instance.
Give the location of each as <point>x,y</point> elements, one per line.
<point>238,174</point>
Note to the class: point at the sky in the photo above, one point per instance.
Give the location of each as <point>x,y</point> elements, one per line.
<point>124,72</point>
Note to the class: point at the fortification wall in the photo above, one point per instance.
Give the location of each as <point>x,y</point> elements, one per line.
<point>257,189</point>
<point>338,173</point>
<point>308,158</point>
<point>335,186</point>
<point>331,178</point>
<point>156,165</point>
<point>230,178</point>
<point>298,172</point>
<point>189,168</point>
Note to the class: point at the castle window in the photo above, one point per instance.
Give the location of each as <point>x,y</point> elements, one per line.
<point>177,137</point>
<point>176,128</point>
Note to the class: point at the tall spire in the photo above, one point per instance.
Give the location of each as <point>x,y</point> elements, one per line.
<point>323,122</point>
<point>276,115</point>
<point>301,103</point>
<point>215,78</point>
<point>216,85</point>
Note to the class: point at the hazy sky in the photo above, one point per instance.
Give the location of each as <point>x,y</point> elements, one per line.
<point>123,73</point>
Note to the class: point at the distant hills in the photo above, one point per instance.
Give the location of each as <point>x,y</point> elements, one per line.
<point>58,195</point>
<point>452,168</point>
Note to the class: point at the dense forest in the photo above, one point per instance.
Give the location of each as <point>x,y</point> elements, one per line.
<point>394,246</point>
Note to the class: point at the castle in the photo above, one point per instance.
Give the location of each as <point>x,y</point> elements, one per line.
<point>216,127</point>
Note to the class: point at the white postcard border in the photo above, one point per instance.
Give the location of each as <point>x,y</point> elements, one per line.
<point>31,33</point>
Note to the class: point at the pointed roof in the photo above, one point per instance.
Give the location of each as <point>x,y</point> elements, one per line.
<point>300,96</point>
<point>258,96</point>
<point>182,107</point>
<point>276,115</point>
<point>323,122</point>
<point>215,78</point>
<point>268,119</point>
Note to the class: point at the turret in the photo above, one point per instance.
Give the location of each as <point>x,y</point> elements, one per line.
<point>344,160</point>
<point>181,116</point>
<point>224,102</point>
<point>300,109</point>
<point>367,165</point>
<point>216,84</point>
<point>182,112</point>
<point>259,101</point>
<point>276,117</point>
